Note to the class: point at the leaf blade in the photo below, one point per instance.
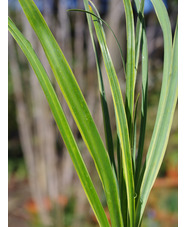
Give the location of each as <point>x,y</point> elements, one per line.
<point>105,111</point>
<point>130,67</point>
<point>122,125</point>
<point>167,104</point>
<point>76,103</point>
<point>140,21</point>
<point>62,124</point>
<point>144,98</point>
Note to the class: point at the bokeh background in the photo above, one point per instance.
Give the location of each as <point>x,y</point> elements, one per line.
<point>44,189</point>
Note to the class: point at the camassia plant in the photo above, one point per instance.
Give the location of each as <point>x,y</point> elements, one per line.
<point>126,180</point>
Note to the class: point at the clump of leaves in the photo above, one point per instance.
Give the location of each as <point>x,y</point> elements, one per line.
<point>126,181</point>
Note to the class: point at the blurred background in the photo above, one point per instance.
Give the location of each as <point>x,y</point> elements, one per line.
<point>44,189</point>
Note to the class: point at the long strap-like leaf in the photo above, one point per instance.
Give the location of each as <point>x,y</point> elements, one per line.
<point>61,123</point>
<point>130,67</point>
<point>141,38</point>
<point>77,106</point>
<point>105,111</point>
<point>122,126</point>
<point>166,28</point>
<point>165,114</point>
<point>139,25</point>
<point>143,106</point>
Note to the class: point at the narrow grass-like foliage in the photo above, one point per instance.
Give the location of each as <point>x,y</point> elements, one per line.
<point>126,181</point>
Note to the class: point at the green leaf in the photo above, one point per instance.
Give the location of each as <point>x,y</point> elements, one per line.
<point>140,22</point>
<point>123,197</point>
<point>122,126</point>
<point>167,104</point>
<point>167,36</point>
<point>62,123</point>
<point>143,104</point>
<point>164,21</point>
<point>105,111</point>
<point>77,106</point>
<point>130,68</point>
<point>134,133</point>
